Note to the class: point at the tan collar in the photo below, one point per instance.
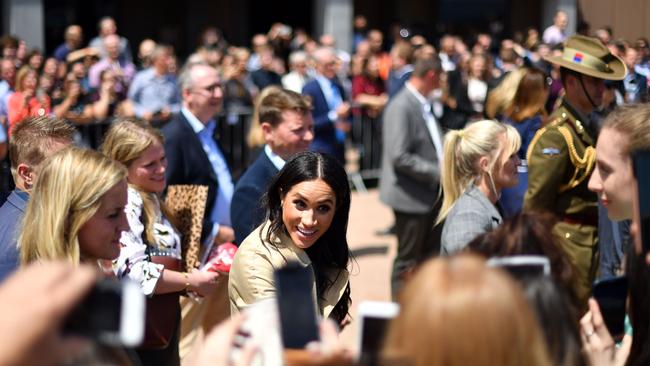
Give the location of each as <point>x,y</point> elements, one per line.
<point>290,252</point>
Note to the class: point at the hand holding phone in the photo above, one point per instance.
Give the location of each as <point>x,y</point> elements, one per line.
<point>112,313</point>
<point>611,294</point>
<point>374,318</point>
<point>297,309</point>
<point>35,300</point>
<point>598,345</point>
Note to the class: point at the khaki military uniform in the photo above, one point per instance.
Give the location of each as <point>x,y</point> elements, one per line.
<point>561,159</point>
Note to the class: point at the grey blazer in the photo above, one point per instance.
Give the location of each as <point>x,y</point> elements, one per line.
<point>410,171</point>
<point>472,214</point>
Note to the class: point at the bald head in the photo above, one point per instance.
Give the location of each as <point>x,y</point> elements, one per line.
<point>561,20</point>
<point>112,46</point>
<point>327,40</point>
<point>107,26</point>
<point>73,36</point>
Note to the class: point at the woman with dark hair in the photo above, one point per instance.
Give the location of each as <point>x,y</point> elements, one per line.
<point>529,233</point>
<point>368,90</point>
<point>307,210</point>
<point>554,312</point>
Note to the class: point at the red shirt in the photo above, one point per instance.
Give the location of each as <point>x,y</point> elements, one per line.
<point>18,109</point>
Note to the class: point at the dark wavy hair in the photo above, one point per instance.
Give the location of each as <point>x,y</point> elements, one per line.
<point>330,252</point>
<point>556,319</point>
<point>529,233</point>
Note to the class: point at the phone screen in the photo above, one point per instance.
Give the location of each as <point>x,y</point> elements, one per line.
<point>522,271</point>
<point>611,294</point>
<point>293,284</point>
<point>372,338</point>
<point>522,267</point>
<point>99,314</point>
<point>642,173</point>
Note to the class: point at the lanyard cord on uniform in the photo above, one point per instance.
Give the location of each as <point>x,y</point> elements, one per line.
<point>584,90</point>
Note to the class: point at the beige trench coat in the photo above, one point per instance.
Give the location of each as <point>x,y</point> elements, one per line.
<point>251,275</point>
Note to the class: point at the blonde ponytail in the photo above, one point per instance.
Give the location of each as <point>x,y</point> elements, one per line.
<point>449,173</point>
<point>463,149</point>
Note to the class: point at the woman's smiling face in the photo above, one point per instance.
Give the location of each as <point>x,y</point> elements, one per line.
<point>307,211</point>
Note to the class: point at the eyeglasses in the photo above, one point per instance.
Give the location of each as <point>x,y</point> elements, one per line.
<point>210,88</point>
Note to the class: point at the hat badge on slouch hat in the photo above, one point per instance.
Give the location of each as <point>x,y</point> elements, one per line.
<point>590,57</point>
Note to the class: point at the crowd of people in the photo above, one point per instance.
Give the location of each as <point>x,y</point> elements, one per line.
<point>490,148</point>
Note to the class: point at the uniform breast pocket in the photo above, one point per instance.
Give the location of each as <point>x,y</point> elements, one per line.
<point>579,235</point>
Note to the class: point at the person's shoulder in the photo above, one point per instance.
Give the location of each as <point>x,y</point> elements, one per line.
<point>255,246</point>
<point>8,211</point>
<point>402,98</point>
<point>311,86</point>
<point>261,169</point>
<point>470,199</point>
<point>549,140</point>
<point>134,196</point>
<point>175,126</point>
<point>12,211</point>
<point>147,73</point>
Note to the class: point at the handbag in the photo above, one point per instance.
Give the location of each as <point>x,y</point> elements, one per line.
<point>186,204</point>
<point>162,310</point>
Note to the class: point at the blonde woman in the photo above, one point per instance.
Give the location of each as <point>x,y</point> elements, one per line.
<point>457,311</point>
<point>479,161</point>
<point>501,97</point>
<point>526,114</point>
<point>151,247</point>
<point>255,138</point>
<point>76,211</point>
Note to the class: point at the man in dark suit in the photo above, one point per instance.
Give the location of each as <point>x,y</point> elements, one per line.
<point>288,128</point>
<point>193,154</point>
<point>33,140</point>
<point>410,175</point>
<point>331,110</point>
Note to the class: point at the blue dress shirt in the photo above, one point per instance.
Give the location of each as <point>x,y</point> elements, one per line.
<point>220,214</point>
<point>11,217</point>
<point>151,93</point>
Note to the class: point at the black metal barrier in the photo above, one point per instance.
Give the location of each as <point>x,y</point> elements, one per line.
<point>232,131</point>
<point>366,136</point>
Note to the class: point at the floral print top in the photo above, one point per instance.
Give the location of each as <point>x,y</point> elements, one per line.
<point>134,261</point>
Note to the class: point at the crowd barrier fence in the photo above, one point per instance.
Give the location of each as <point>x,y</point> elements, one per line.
<point>232,130</point>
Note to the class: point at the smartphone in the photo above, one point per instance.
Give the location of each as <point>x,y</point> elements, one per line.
<point>641,165</point>
<point>523,266</point>
<point>298,324</point>
<point>113,313</point>
<point>374,318</point>
<point>611,293</point>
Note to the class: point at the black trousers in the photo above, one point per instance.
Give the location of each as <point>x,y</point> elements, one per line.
<point>417,240</point>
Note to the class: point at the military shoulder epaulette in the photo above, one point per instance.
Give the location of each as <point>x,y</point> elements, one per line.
<point>556,121</point>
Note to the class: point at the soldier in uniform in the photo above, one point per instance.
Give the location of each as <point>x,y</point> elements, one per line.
<point>561,156</point>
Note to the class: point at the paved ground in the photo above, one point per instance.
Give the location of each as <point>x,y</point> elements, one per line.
<point>370,275</point>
